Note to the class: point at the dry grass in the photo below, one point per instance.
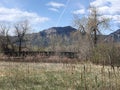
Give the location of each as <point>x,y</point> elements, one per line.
<point>51,76</point>
<point>38,58</point>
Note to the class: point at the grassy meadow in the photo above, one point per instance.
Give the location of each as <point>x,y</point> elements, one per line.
<point>58,76</point>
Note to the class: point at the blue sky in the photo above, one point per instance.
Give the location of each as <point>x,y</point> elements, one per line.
<point>43,14</point>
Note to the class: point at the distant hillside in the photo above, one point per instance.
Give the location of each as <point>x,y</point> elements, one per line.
<point>114,37</point>
<point>58,31</point>
<point>43,37</point>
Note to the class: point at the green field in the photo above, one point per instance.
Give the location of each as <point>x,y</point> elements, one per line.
<point>51,76</point>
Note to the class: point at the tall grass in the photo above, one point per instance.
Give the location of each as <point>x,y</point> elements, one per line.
<point>44,76</point>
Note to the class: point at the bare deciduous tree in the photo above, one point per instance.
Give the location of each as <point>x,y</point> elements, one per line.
<point>92,24</point>
<point>96,23</point>
<point>21,29</point>
<point>90,27</point>
<point>5,42</point>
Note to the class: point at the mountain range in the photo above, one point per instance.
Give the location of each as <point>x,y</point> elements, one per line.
<point>62,35</point>
<point>45,37</point>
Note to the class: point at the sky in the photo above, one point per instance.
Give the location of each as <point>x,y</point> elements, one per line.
<point>43,14</point>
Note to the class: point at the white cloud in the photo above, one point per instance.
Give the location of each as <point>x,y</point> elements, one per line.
<point>55,4</point>
<point>13,15</point>
<point>54,9</point>
<point>98,3</point>
<point>80,11</point>
<point>109,8</point>
<point>104,10</point>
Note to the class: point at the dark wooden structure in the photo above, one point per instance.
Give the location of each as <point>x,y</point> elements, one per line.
<point>43,53</point>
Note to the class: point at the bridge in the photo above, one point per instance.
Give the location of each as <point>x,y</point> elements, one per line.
<point>43,53</point>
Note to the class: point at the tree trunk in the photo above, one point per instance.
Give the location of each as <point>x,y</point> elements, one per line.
<point>95,37</point>
<point>20,44</point>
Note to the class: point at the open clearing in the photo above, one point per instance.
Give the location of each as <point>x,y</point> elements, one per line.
<point>53,76</point>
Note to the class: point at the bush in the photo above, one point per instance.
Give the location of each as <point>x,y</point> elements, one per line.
<point>106,54</point>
